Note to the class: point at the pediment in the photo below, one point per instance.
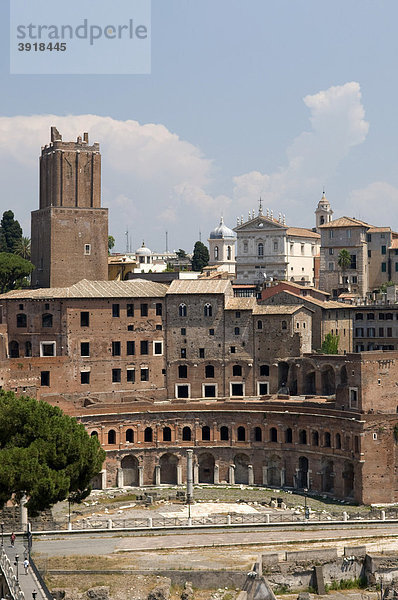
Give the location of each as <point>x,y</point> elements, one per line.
<point>260,223</point>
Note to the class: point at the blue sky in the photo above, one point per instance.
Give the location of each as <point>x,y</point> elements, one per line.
<point>254,97</point>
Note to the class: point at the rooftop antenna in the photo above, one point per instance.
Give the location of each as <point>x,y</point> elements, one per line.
<point>200,235</point>
<point>130,243</point>
<point>127,240</point>
<point>167,241</point>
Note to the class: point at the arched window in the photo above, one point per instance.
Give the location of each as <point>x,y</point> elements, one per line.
<point>28,349</point>
<point>264,370</point>
<point>94,434</point>
<point>237,371</point>
<point>258,434</point>
<point>315,438</point>
<point>21,320</point>
<point>148,434</point>
<point>260,249</point>
<point>215,252</point>
<point>241,434</point>
<point>303,437</point>
<point>284,324</point>
<point>288,436</point>
<point>130,435</point>
<point>273,434</point>
<point>224,433</point>
<point>259,324</point>
<point>182,310</point>
<point>47,320</point>
<point>328,441</point>
<point>166,434</point>
<point>209,371</point>
<point>13,349</point>
<point>338,441</point>
<point>111,436</point>
<point>208,310</point>
<point>229,254</point>
<point>206,433</point>
<point>322,220</point>
<point>186,434</point>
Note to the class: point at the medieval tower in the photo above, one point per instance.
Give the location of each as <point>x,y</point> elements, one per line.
<point>70,229</point>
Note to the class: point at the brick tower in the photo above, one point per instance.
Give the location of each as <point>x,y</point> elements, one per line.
<point>70,229</point>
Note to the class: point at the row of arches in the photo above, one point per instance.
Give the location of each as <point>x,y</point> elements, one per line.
<point>46,320</point>
<point>207,310</point>
<point>274,470</point>
<point>14,350</point>
<point>325,439</point>
<point>327,383</point>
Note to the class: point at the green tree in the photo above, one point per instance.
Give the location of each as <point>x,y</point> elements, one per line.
<point>44,454</point>
<point>344,262</point>
<point>181,253</point>
<point>13,270</point>
<point>23,248</point>
<point>111,243</point>
<point>330,344</point>
<point>200,257</point>
<point>10,232</point>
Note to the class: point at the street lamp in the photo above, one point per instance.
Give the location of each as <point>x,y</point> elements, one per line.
<point>16,564</point>
<point>2,534</point>
<point>306,508</point>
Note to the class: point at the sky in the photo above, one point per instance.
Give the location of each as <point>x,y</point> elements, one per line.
<point>248,98</point>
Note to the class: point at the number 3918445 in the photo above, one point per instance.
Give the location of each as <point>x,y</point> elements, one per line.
<point>42,47</point>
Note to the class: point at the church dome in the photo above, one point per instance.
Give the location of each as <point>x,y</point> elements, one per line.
<point>143,251</point>
<point>222,232</point>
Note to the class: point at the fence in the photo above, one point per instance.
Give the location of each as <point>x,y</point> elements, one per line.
<point>260,518</point>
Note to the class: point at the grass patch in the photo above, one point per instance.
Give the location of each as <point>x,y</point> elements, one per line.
<point>346,584</point>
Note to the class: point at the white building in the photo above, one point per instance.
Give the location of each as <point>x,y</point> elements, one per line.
<point>268,249</point>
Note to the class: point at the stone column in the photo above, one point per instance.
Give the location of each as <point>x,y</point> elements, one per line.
<point>119,477</point>
<point>265,475</point>
<point>179,475</point>
<point>231,474</point>
<point>24,513</point>
<point>250,474</point>
<point>216,473</point>
<point>157,474</point>
<point>283,476</point>
<point>140,476</point>
<point>103,479</point>
<point>196,473</point>
<point>190,475</point>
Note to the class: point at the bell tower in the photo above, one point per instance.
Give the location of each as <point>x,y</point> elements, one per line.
<point>70,229</point>
<point>323,213</point>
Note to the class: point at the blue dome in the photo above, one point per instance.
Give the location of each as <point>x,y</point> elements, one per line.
<point>222,232</point>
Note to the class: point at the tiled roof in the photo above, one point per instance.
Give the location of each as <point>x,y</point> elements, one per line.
<point>277,309</point>
<point>379,229</point>
<point>394,244</point>
<point>345,222</point>
<point>241,303</point>
<point>302,232</point>
<point>305,287</point>
<point>135,288</point>
<point>200,286</point>
<point>321,303</point>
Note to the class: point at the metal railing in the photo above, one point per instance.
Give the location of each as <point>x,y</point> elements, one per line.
<point>10,577</point>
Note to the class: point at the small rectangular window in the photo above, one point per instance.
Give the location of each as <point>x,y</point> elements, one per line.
<point>201,352</point>
<point>130,327</point>
<point>45,378</point>
<point>383,267</point>
<point>130,375</point>
<point>84,319</point>
<point>183,331</point>
<point>48,349</point>
<point>130,310</point>
<point>384,249</point>
<point>182,391</point>
<point>144,374</point>
<point>232,349</point>
<point>158,348</point>
<point>144,347</point>
<point>211,331</point>
<point>130,349</point>
<point>159,327</point>
<point>183,352</point>
<point>116,375</point>
<point>237,331</point>
<point>144,310</point>
<point>237,314</point>
<point>21,307</point>
<point>116,348</point>
<point>87,249</point>
<point>115,310</point>
<point>84,377</point>
<point>46,306</point>
<point>159,309</point>
<point>84,349</point>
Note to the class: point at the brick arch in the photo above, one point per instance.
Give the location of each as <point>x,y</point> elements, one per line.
<point>206,463</point>
<point>168,468</point>
<point>129,466</point>
<point>241,462</point>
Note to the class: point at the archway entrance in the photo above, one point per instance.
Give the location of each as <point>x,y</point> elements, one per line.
<point>129,466</point>
<point>348,480</point>
<point>206,468</point>
<point>274,472</point>
<point>283,374</point>
<point>241,468</point>
<point>302,474</point>
<point>328,477</point>
<point>309,384</point>
<point>168,469</point>
<point>328,381</point>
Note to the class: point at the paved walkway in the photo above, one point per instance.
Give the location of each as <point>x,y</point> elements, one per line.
<point>27,582</point>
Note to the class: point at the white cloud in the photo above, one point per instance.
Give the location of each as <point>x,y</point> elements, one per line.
<point>365,203</point>
<point>338,123</point>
